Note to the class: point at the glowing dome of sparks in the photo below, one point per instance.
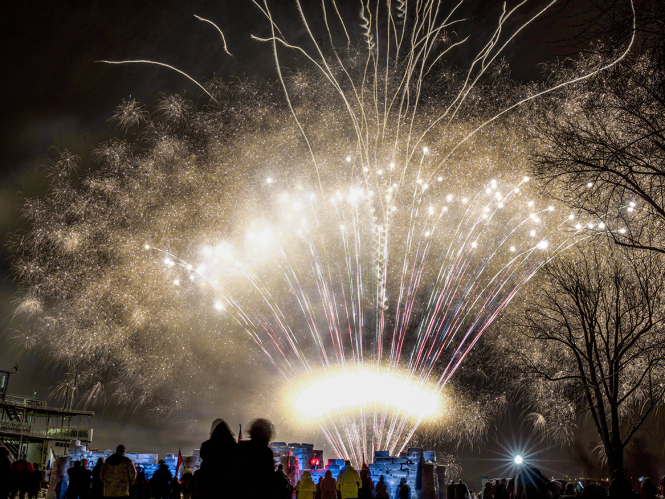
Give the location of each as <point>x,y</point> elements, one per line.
<point>369,388</point>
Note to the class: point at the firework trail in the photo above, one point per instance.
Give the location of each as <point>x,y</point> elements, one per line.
<point>334,225</point>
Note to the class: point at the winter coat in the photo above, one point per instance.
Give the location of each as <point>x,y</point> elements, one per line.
<point>219,464</point>
<point>328,486</point>
<point>306,488</point>
<point>118,474</point>
<point>256,470</point>
<point>349,483</point>
<point>283,487</point>
<point>403,491</point>
<point>160,483</point>
<point>461,491</point>
<point>367,483</point>
<point>79,480</point>
<point>382,491</point>
<point>97,484</point>
<point>21,473</point>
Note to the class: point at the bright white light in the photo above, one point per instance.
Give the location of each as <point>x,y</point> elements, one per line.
<point>269,180</point>
<point>218,305</point>
<point>518,460</point>
<point>525,179</point>
<point>147,246</point>
<point>176,282</point>
<point>512,248</point>
<point>389,391</point>
<point>440,179</point>
<point>348,159</point>
<point>425,150</point>
<point>590,185</point>
<point>427,234</point>
<point>632,204</point>
<point>380,172</point>
<point>464,200</point>
<point>392,165</point>
<point>264,237</point>
<point>530,203</point>
<point>542,245</point>
<point>622,231</point>
<point>474,244</point>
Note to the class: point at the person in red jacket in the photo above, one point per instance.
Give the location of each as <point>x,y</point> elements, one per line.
<point>22,471</point>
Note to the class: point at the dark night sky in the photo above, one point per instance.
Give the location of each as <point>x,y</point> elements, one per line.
<point>55,96</point>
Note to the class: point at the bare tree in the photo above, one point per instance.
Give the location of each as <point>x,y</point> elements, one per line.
<point>592,343</point>
<point>603,147</point>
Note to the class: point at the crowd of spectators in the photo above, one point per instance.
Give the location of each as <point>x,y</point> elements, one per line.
<point>245,470</point>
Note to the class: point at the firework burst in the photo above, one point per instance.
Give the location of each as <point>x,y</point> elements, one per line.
<point>367,215</point>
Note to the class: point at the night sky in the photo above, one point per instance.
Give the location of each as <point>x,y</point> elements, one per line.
<point>55,96</point>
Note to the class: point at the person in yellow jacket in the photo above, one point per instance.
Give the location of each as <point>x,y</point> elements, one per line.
<point>306,488</point>
<point>349,483</point>
<point>118,474</point>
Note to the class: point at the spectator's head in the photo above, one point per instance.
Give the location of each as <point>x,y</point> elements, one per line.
<point>381,478</point>
<point>328,474</point>
<point>347,463</point>
<point>121,449</point>
<point>35,466</point>
<point>402,481</point>
<point>460,481</point>
<point>280,467</point>
<point>161,461</point>
<point>4,452</point>
<point>100,461</point>
<point>260,430</point>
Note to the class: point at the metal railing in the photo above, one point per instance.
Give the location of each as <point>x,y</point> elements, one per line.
<point>40,431</point>
<point>29,402</point>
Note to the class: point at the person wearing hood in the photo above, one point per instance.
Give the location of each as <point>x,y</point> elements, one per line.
<point>367,483</point>
<point>328,486</point>
<point>349,483</point>
<point>160,483</point>
<point>219,463</point>
<point>305,488</point>
<point>382,491</point>
<point>256,471</point>
<point>118,474</point>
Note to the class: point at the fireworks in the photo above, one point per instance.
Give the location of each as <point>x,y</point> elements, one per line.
<point>371,220</point>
